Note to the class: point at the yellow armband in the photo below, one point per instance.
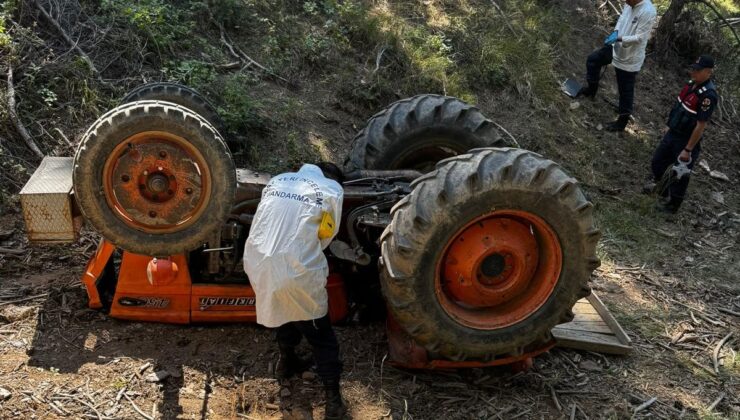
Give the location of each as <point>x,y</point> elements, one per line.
<point>326,227</point>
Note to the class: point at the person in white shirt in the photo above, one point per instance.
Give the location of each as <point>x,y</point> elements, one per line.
<point>297,217</point>
<point>627,53</point>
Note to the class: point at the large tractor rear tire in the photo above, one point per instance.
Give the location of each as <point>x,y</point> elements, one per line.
<point>154,178</point>
<point>180,95</point>
<point>488,253</point>
<point>417,132</point>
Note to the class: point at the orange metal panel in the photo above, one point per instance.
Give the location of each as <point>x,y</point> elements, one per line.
<point>94,269</point>
<point>338,306</point>
<point>139,300</point>
<point>222,303</point>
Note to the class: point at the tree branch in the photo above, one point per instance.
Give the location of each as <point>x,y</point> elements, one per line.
<point>73,45</point>
<point>13,115</point>
<point>719,15</point>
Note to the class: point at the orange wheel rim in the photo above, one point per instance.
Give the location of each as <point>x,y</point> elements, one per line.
<point>498,269</point>
<point>156,182</point>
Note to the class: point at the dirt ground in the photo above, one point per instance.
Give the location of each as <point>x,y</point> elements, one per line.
<point>672,283</point>
<point>62,360</point>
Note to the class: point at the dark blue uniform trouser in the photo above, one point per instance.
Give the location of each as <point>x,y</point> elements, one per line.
<point>320,336</point>
<point>625,79</point>
<point>665,156</point>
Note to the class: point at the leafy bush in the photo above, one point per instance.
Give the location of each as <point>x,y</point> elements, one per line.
<point>240,112</point>
<point>189,72</point>
<point>4,36</point>
<point>160,21</point>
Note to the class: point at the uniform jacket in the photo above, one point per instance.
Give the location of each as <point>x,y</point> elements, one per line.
<point>634,27</point>
<point>283,256</point>
<point>694,103</point>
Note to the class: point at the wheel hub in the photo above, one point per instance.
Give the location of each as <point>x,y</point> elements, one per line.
<point>490,262</point>
<point>498,269</point>
<point>156,182</point>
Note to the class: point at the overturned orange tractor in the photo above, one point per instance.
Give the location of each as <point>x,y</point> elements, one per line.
<point>476,250</point>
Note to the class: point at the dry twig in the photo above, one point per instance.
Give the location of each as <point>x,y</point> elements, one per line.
<point>23,300</point>
<point>716,402</point>
<point>73,45</point>
<point>137,409</point>
<point>715,355</point>
<point>645,405</point>
<point>13,115</point>
<point>506,19</point>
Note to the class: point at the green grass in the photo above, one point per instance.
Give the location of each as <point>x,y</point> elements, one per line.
<point>625,228</point>
<point>648,322</point>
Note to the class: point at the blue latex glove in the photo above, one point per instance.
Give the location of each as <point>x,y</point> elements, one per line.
<point>612,38</point>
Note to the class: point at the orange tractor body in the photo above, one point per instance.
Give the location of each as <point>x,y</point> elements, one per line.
<point>477,252</point>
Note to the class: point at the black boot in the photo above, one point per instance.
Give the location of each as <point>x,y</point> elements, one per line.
<point>588,91</point>
<point>649,187</point>
<point>668,205</point>
<point>619,124</point>
<point>335,408</point>
<point>290,364</point>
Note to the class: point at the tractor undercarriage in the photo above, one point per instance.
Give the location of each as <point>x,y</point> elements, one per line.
<point>473,251</point>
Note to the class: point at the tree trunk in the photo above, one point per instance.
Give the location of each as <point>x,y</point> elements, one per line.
<point>664,35</point>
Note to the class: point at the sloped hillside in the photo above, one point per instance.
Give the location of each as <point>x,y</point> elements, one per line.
<point>294,81</point>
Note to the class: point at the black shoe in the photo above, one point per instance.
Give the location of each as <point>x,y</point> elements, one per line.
<point>649,187</point>
<point>291,365</point>
<point>666,207</point>
<point>335,408</point>
<point>618,125</point>
<point>587,92</point>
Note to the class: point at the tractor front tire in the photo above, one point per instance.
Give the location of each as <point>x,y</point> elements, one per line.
<point>180,95</point>
<point>417,132</point>
<point>488,253</point>
<point>154,178</point>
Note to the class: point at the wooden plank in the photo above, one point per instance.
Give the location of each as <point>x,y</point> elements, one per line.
<point>608,318</point>
<point>583,340</point>
<point>588,317</point>
<point>583,306</point>
<point>594,327</point>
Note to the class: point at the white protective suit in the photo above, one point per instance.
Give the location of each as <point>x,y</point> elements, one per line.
<point>634,27</point>
<point>283,255</point>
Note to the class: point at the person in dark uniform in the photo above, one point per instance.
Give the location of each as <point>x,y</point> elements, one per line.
<point>686,124</point>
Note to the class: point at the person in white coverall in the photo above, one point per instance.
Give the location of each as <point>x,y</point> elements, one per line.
<point>287,269</point>
<point>626,53</point>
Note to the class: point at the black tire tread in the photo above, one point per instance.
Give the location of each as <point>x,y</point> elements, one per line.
<point>372,146</point>
<point>178,94</point>
<point>434,198</point>
<point>102,136</point>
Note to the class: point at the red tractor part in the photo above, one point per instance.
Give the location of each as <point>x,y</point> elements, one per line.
<point>406,353</point>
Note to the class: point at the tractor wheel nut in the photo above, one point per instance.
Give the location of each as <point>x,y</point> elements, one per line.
<point>152,213</point>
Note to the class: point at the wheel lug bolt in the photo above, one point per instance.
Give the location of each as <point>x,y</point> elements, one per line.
<point>159,168</point>
<point>163,154</point>
<point>125,178</point>
<point>188,190</point>
<point>146,173</point>
<point>152,213</point>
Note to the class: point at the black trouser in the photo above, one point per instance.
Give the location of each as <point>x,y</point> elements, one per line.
<point>320,336</point>
<point>665,156</point>
<point>625,79</point>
